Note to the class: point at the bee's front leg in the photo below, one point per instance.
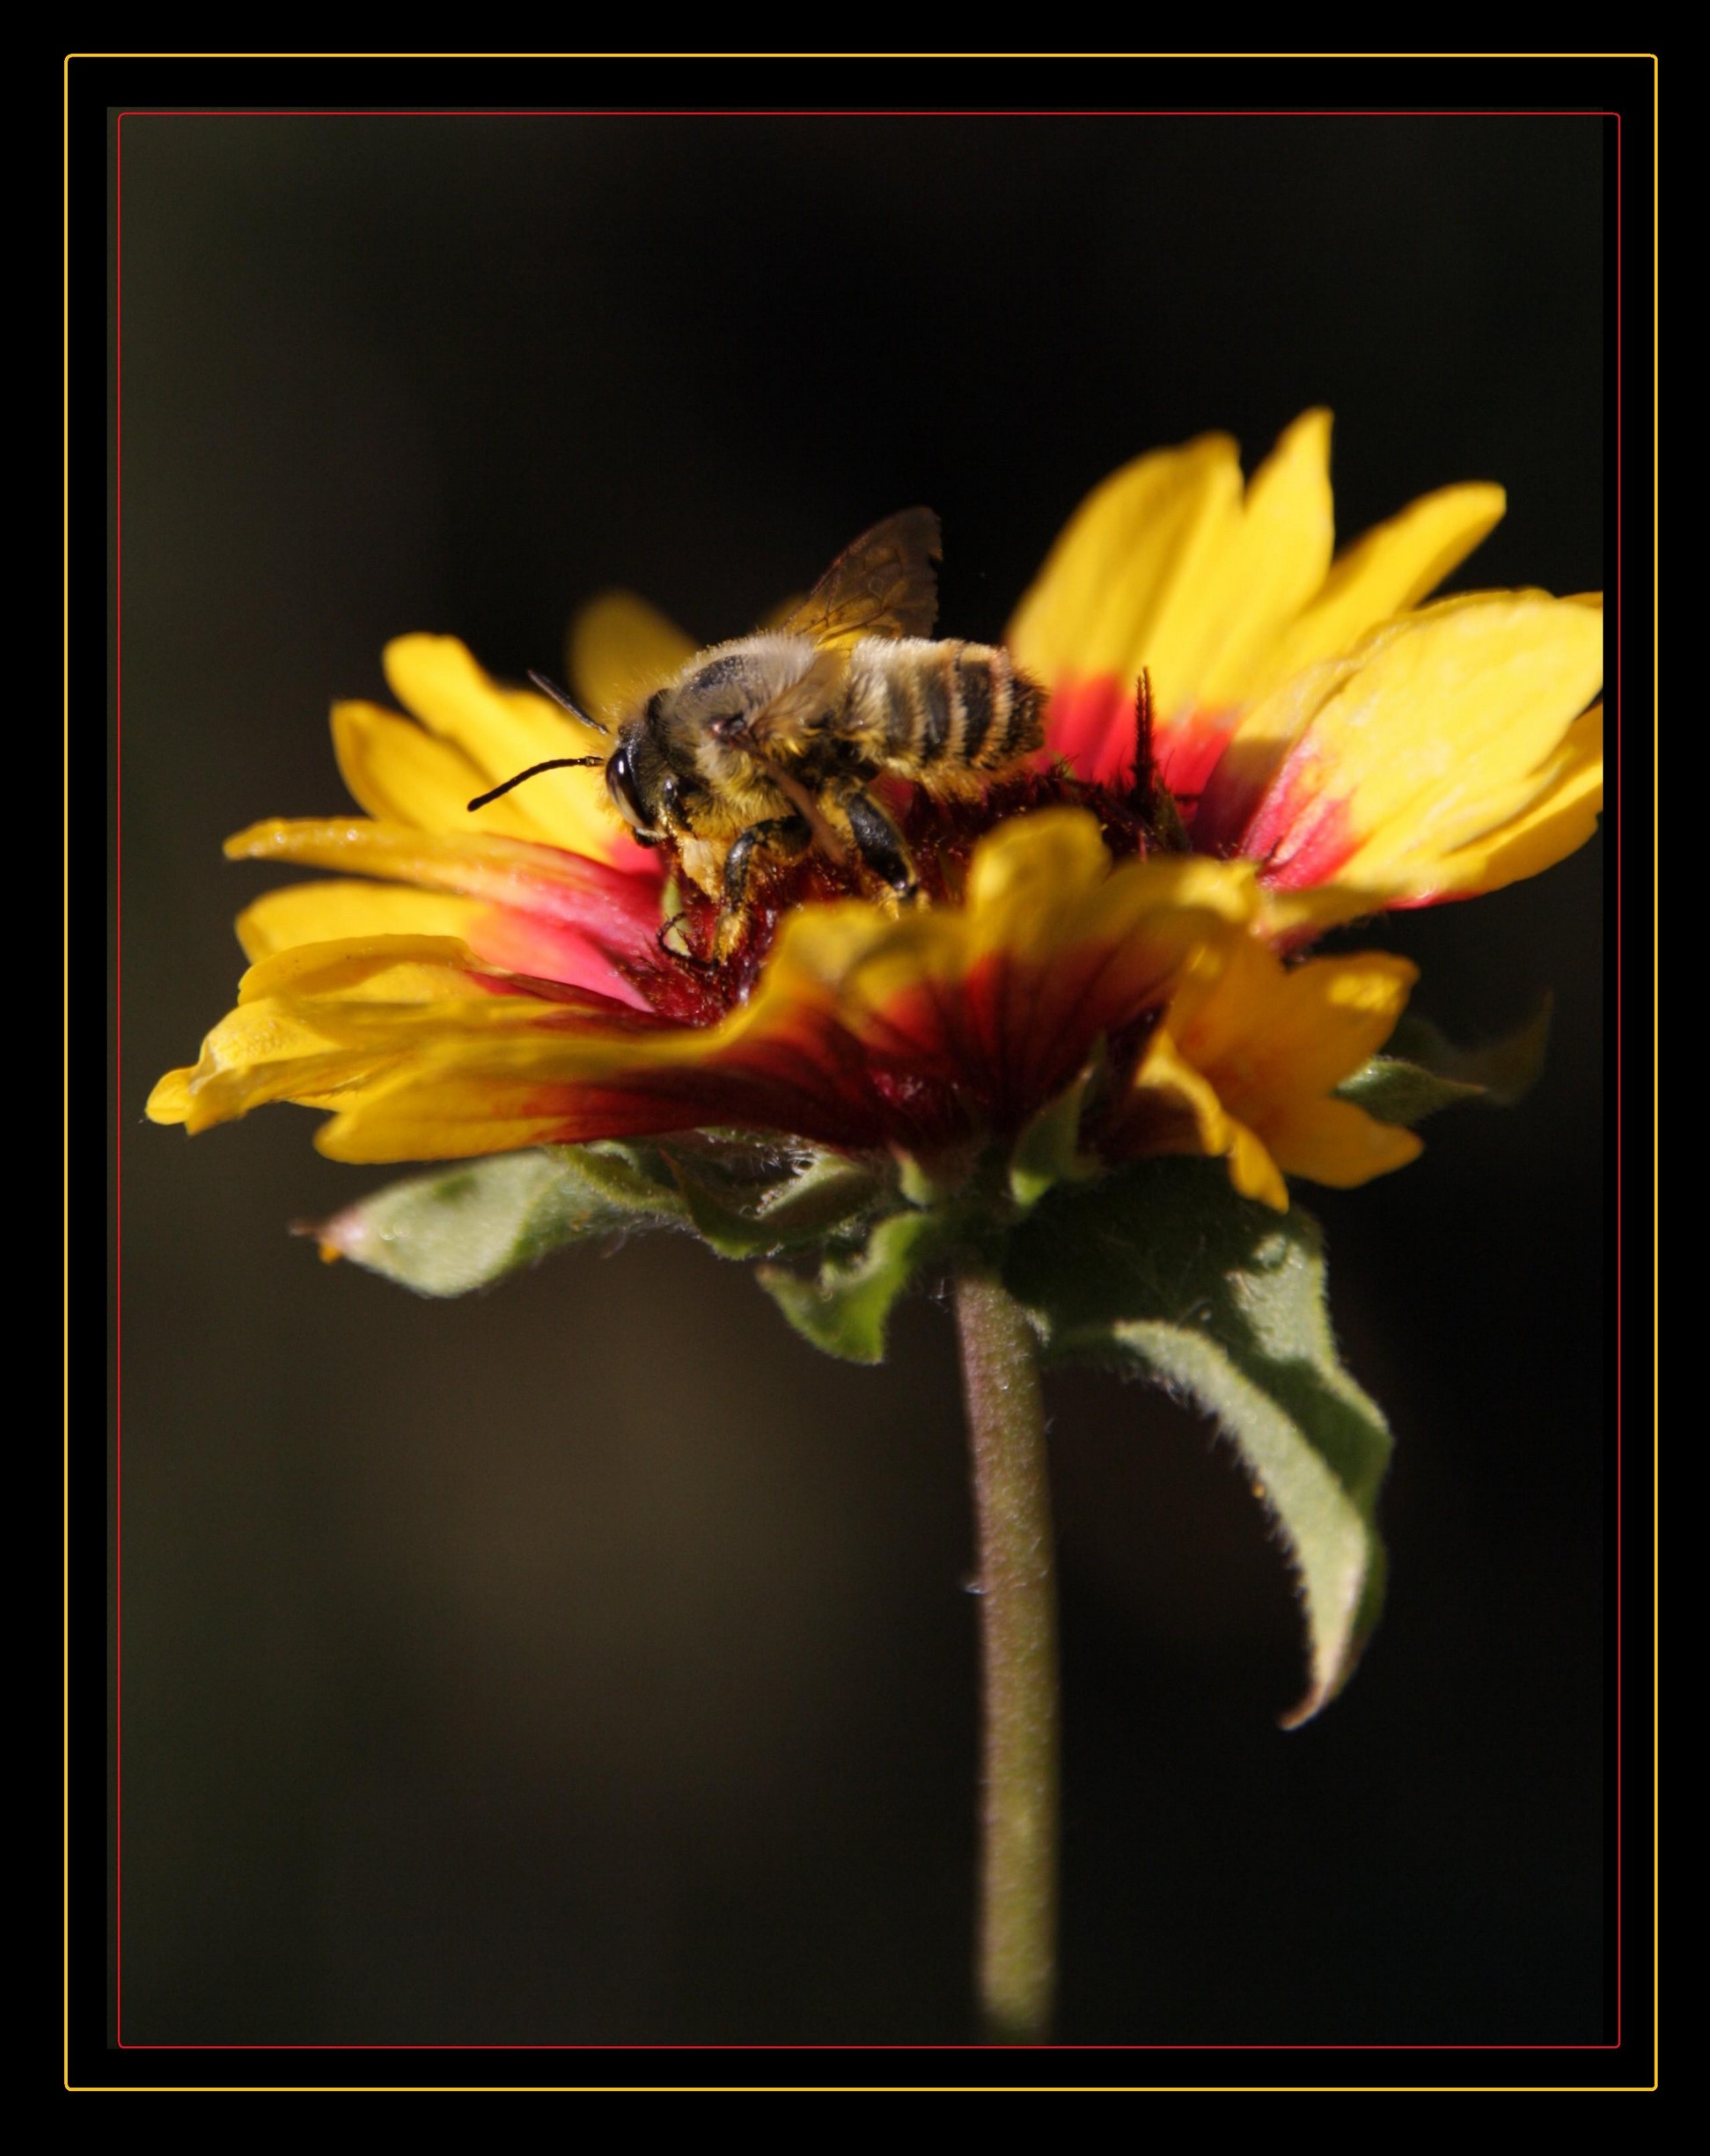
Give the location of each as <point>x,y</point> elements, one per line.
<point>784,834</point>
<point>879,842</point>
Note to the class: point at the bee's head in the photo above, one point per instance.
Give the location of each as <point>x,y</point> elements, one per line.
<point>648,787</point>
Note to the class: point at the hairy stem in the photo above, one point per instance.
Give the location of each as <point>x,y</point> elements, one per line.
<point>1017,1950</point>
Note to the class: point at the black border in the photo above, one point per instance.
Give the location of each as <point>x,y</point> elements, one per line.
<point>97,87</point>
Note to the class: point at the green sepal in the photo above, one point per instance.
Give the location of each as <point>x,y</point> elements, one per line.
<point>465,1226</point>
<point>1421,1071</point>
<point>1162,1269</point>
<point>846,1310</point>
<point>1505,1069</point>
<point>1395,1090</point>
<point>944,1179</point>
<point>824,1198</point>
<point>1048,1152</point>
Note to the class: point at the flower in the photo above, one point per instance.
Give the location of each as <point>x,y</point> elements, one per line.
<point>1115,920</point>
<point>1306,716</point>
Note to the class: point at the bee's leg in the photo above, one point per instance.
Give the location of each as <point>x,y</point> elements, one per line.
<point>784,834</point>
<point>787,834</point>
<point>879,842</point>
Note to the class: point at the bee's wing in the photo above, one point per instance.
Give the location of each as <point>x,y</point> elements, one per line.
<point>882,586</point>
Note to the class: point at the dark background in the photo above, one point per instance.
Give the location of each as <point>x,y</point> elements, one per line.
<point>588,1661</point>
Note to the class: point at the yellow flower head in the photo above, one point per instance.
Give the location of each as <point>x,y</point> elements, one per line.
<point>1245,739</point>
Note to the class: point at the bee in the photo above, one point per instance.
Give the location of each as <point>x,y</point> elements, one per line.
<point>770,743</point>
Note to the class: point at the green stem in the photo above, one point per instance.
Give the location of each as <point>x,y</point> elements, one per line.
<point>1016,1952</point>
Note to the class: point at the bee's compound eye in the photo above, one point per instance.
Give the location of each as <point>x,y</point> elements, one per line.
<point>620,784</point>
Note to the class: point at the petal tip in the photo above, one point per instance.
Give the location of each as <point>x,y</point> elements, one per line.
<point>170,1101</point>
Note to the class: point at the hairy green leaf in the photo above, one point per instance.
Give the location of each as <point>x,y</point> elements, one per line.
<point>1164,1268</point>
<point>465,1226</point>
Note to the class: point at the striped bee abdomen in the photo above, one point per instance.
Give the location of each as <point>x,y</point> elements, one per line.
<point>933,711</point>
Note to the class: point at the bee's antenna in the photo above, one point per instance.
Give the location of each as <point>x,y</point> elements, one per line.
<point>553,763</point>
<point>552,689</point>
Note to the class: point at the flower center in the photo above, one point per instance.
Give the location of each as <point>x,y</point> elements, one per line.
<point>697,975</point>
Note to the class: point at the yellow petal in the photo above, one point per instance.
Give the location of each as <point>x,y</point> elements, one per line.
<point>1071,930</point>
<point>334,1024</point>
<point>1275,564</point>
<point>619,648</point>
<point>402,969</point>
<point>1452,733</point>
<point>1167,1077</point>
<point>1263,1031</point>
<point>1167,566</point>
<point>461,1127</point>
<point>1252,1169</point>
<point>1386,570</point>
<point>403,774</point>
<point>1338,1144</point>
<point>1164,1069</point>
<point>1120,589</point>
<point>431,989</point>
<point>1438,727</point>
<point>170,1101</point>
<point>261,1052</point>
<point>1561,818</point>
<point>1251,1050</point>
<point>503,731</point>
<point>1040,883</point>
<point>569,888</point>
<point>321,913</point>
